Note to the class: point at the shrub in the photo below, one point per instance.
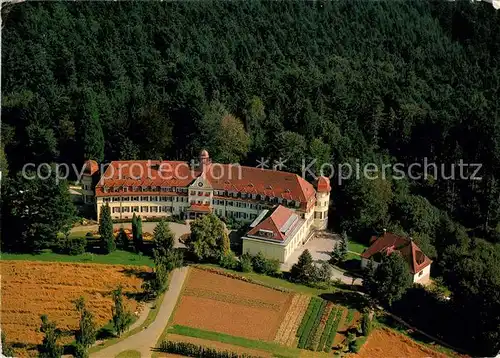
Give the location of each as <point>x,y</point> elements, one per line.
<point>358,343</point>
<point>229,261</point>
<point>246,263</point>
<point>72,246</point>
<point>366,324</point>
<point>193,350</point>
<point>261,264</point>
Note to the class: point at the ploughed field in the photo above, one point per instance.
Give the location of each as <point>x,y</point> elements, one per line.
<point>31,288</point>
<point>222,304</point>
<point>384,343</point>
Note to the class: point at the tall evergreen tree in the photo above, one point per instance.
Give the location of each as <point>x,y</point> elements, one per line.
<point>122,319</point>
<point>87,331</point>
<point>49,347</point>
<point>135,236</point>
<point>91,129</point>
<point>106,230</point>
<point>302,271</point>
<point>122,238</point>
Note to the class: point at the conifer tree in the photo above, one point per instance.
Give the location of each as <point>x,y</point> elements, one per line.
<point>123,239</point>
<point>87,331</point>
<point>121,317</point>
<point>91,129</point>
<point>106,230</point>
<point>49,347</point>
<point>135,237</point>
<point>303,269</point>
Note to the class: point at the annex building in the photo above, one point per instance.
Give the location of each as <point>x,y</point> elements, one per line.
<point>282,207</point>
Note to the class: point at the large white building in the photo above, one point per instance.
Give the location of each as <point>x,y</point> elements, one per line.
<point>161,188</point>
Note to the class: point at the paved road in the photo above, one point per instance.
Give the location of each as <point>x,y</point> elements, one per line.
<point>145,340</point>
<point>320,247</point>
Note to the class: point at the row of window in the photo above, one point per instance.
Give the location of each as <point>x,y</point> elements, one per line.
<point>236,214</point>
<point>145,188</point>
<point>142,209</point>
<point>320,215</point>
<point>199,193</point>
<point>233,194</point>
<point>146,198</point>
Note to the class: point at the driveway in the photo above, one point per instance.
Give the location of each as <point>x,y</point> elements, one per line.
<point>319,246</point>
<point>145,340</point>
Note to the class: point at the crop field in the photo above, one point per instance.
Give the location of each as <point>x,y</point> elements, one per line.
<point>30,289</point>
<point>221,304</point>
<point>322,323</point>
<point>291,322</point>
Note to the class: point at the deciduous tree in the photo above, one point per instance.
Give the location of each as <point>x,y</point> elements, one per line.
<point>390,279</point>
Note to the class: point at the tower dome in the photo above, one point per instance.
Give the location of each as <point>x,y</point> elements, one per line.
<point>204,154</point>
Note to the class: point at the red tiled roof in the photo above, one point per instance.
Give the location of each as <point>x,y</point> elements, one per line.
<point>274,223</point>
<point>200,207</point>
<point>91,167</point>
<point>389,242</point>
<point>221,176</point>
<point>324,185</point>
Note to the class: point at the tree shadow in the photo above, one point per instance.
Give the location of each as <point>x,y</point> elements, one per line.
<point>144,275</point>
<point>350,299</point>
<point>105,333</point>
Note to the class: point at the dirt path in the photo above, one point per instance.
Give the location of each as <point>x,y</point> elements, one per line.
<point>145,340</point>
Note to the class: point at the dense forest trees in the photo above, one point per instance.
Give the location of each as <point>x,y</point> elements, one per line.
<point>380,82</point>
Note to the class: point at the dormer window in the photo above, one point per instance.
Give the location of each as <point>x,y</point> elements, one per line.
<point>105,189</point>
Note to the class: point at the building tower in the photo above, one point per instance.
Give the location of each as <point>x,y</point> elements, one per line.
<point>204,160</point>
<point>322,203</point>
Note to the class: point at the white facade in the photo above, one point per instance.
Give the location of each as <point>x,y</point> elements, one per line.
<point>422,277</point>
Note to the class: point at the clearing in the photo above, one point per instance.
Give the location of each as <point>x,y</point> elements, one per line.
<point>33,288</point>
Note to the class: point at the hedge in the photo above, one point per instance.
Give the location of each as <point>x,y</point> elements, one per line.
<point>193,350</point>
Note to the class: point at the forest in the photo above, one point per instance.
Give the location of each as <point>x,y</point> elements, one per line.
<point>378,82</point>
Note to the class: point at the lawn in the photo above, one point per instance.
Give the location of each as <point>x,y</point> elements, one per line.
<point>129,354</point>
<point>276,282</point>
<point>237,341</point>
<point>117,257</point>
<point>357,247</point>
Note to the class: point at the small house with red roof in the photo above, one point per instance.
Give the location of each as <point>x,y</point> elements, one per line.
<point>387,243</point>
<point>276,233</point>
